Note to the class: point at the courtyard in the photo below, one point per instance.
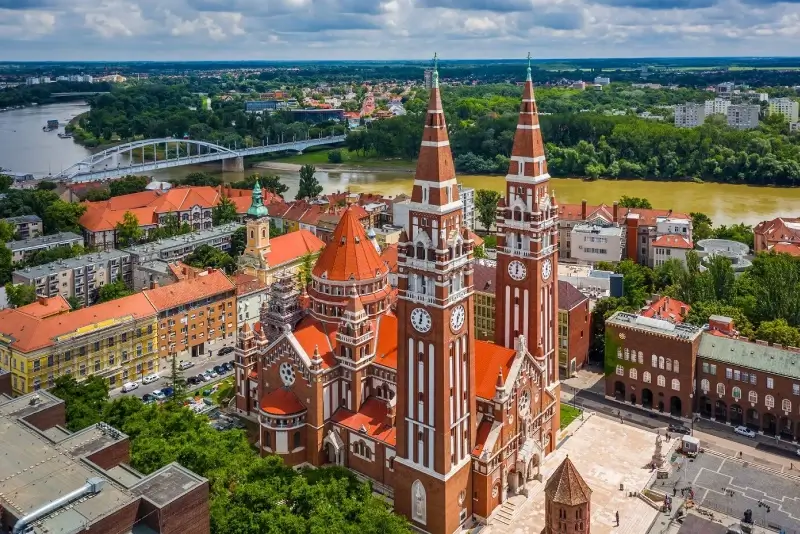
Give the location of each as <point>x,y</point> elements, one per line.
<point>607,454</point>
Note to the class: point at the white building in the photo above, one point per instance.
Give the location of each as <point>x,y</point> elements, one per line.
<point>786,107</point>
<point>251,294</point>
<point>670,247</point>
<point>467,195</point>
<point>794,127</point>
<point>690,115</point>
<point>718,106</point>
<point>743,116</point>
<point>594,242</point>
<point>601,80</point>
<point>725,89</point>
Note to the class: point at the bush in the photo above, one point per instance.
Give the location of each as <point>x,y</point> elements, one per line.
<point>335,156</point>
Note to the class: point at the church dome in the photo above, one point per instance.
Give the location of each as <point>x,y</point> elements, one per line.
<point>257,208</point>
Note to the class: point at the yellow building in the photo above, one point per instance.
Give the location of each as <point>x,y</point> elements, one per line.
<point>115,340</point>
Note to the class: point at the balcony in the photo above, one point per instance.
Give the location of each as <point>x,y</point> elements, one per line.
<point>343,338</point>
<point>518,225</point>
<point>420,264</point>
<point>421,298</point>
<point>520,253</point>
<point>456,263</point>
<point>458,295</point>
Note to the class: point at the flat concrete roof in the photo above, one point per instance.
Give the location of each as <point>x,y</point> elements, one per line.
<point>79,262</point>
<point>42,241</point>
<point>167,484</point>
<point>655,326</point>
<point>199,237</point>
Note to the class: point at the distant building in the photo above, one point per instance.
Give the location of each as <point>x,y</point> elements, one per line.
<point>781,234</point>
<point>265,105</point>
<point>670,247</point>
<point>602,80</point>
<point>666,308</point>
<point>794,127</point>
<point>597,242</point>
<point>717,106</point>
<point>743,116</point>
<point>786,107</point>
<point>80,277</point>
<point>317,115</point>
<point>26,226</point>
<point>81,482</point>
<point>251,295</point>
<point>428,79</point>
<point>24,248</point>
<point>574,329</point>
<point>725,89</point>
<point>467,195</point>
<point>579,85</point>
<point>689,115</point>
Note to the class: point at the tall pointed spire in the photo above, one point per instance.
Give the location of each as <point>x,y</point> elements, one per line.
<point>257,208</point>
<point>435,179</point>
<point>527,155</point>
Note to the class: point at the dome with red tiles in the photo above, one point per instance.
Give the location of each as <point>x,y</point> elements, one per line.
<point>349,256</point>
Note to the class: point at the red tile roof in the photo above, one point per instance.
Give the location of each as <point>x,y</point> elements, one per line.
<point>281,401</point>
<point>372,417</point>
<point>484,276</point>
<point>480,438</point>
<point>489,358</point>
<point>190,289</point>
<point>350,256</point>
<point>246,284</point>
<point>386,348</point>
<point>782,229</point>
<point>569,296</point>
<point>792,249</point>
<point>46,307</point>
<point>315,335</point>
<point>289,247</point>
<point>673,241</point>
<point>667,308</point>
<point>647,217</point>
<point>389,257</point>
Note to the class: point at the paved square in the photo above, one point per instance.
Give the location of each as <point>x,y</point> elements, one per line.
<point>731,487</point>
<point>607,454</point>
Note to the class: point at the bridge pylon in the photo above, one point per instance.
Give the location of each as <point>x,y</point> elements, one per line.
<point>233,164</point>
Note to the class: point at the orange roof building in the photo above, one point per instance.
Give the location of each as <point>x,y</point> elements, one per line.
<point>116,340</point>
<point>781,234</point>
<point>666,308</point>
<point>567,501</point>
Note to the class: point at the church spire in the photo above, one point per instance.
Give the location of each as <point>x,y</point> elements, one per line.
<point>435,179</point>
<point>257,208</point>
<point>529,78</point>
<point>527,155</point>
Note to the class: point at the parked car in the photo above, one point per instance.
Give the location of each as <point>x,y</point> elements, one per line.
<point>149,379</point>
<point>225,350</point>
<point>212,373</point>
<point>185,365</point>
<point>228,366</point>
<point>679,429</point>
<point>167,392</point>
<point>193,380</point>
<point>220,369</point>
<point>159,395</point>
<point>129,386</point>
<point>204,376</point>
<point>744,431</point>
<point>148,398</point>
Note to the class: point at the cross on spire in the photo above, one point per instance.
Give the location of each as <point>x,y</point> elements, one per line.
<point>529,78</point>
<point>435,70</point>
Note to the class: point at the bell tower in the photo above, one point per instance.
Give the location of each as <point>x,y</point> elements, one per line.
<point>527,245</point>
<point>257,247</point>
<point>435,350</point>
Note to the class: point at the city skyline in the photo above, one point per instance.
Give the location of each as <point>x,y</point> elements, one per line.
<point>116,30</point>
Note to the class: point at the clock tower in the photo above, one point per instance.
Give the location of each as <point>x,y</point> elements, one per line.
<point>435,349</point>
<point>527,245</point>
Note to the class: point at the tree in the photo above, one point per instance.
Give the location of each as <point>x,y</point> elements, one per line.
<point>62,216</point>
<point>206,256</point>
<point>634,202</point>
<point>224,212</point>
<point>775,282</point>
<point>273,183</point>
<point>7,231</point>
<point>20,294</point>
<point>701,226</point>
<point>721,277</point>
<point>177,382</point>
<point>128,184</point>
<point>309,186</point>
<point>479,252</point>
<point>74,303</point>
<point>46,186</point>
<point>84,401</point>
<point>239,241</point>
<point>96,195</point>
<point>112,291</point>
<point>304,272</point>
<point>778,332</point>
<point>128,231</point>
<point>200,178</point>
<point>335,156</point>
<point>6,182</point>
<point>486,206</point>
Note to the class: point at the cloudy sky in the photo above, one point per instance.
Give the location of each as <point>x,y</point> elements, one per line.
<point>393,29</point>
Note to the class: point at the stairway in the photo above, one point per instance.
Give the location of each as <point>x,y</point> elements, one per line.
<point>505,514</point>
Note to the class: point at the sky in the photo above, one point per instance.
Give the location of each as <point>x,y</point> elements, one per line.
<point>119,30</point>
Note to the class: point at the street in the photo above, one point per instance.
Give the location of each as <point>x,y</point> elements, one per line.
<point>201,363</point>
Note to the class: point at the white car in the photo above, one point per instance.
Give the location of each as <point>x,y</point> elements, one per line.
<point>149,379</point>
<point>185,365</point>
<point>158,395</point>
<point>744,431</point>
<point>129,386</point>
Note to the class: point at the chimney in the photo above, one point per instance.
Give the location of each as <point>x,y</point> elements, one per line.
<point>683,311</point>
<point>583,209</point>
<point>153,284</point>
<point>42,300</point>
<point>616,212</point>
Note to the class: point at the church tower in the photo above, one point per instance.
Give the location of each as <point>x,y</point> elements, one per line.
<point>568,501</point>
<point>252,261</point>
<point>527,245</point>
<point>435,349</point>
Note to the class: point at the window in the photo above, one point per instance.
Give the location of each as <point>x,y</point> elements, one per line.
<point>769,401</point>
<point>795,389</point>
<point>753,378</point>
<point>675,366</point>
<point>654,362</point>
<point>745,377</point>
<point>661,381</point>
<point>705,385</point>
<point>770,383</point>
<point>753,397</point>
<point>646,377</point>
<point>620,370</point>
<point>296,440</point>
<point>627,354</point>
<point>632,373</point>
<point>728,373</point>
<point>676,384</point>
<point>705,367</point>
<point>736,392</point>
<point>713,369</point>
<point>721,389</point>
<point>737,375</point>
<point>619,352</point>
<point>669,364</point>
<point>786,405</point>
<point>660,362</point>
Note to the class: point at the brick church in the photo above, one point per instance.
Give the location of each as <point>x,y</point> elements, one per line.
<point>392,383</point>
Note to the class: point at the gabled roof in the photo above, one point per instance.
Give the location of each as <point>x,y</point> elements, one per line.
<point>190,289</point>
<point>770,359</point>
<point>389,257</point>
<point>647,217</point>
<point>793,249</point>
<point>290,247</point>
<point>667,308</point>
<point>785,229</point>
<point>246,284</point>
<point>349,256</point>
<point>386,348</point>
<point>372,418</point>
<point>46,307</point>
<point>489,358</point>
<point>673,241</point>
<point>566,486</point>
<point>569,296</point>
<point>312,334</point>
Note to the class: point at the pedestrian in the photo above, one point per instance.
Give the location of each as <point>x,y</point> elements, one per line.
<point>617,516</point>
<point>674,491</point>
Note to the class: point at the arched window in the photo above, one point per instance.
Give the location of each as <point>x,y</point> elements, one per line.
<point>661,381</point>
<point>736,392</point>
<point>654,362</point>
<point>266,439</point>
<point>368,454</point>
<point>676,384</point>
<point>627,354</point>
<point>669,364</point>
<point>660,362</point>
<point>620,370</point>
<point>632,373</point>
<point>705,385</point>
<point>769,401</point>
<point>646,377</point>
<point>721,389</point>
<point>675,366</point>
<point>641,357</point>
<point>786,405</point>
<point>418,502</point>
<point>619,352</point>
<point>296,439</point>
<point>752,397</point>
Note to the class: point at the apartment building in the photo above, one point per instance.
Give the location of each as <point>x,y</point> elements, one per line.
<point>785,106</point>
<point>467,195</point>
<point>717,106</point>
<point>23,249</point>
<point>80,277</point>
<point>743,116</point>
<point>574,329</point>
<point>781,234</point>
<point>176,248</point>
<point>44,464</point>
<point>593,242</point>
<point>26,226</point>
<point>195,314</point>
<point>690,115</point>
<point>115,340</point>
<point>251,295</point>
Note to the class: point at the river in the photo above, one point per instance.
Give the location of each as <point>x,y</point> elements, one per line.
<point>25,148</point>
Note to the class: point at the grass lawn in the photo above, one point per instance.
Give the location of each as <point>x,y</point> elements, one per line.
<point>223,384</point>
<point>568,414</point>
<point>351,159</point>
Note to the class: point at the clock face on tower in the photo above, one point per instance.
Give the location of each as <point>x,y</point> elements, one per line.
<point>517,270</point>
<point>547,269</point>
<point>421,320</point>
<point>457,318</point>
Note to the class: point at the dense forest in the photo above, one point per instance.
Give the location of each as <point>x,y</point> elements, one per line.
<point>24,95</point>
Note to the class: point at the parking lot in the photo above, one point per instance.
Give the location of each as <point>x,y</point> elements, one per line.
<point>730,487</point>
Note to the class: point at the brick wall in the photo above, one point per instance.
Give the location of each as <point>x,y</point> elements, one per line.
<point>48,417</point>
<point>113,455</point>
<point>579,334</point>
